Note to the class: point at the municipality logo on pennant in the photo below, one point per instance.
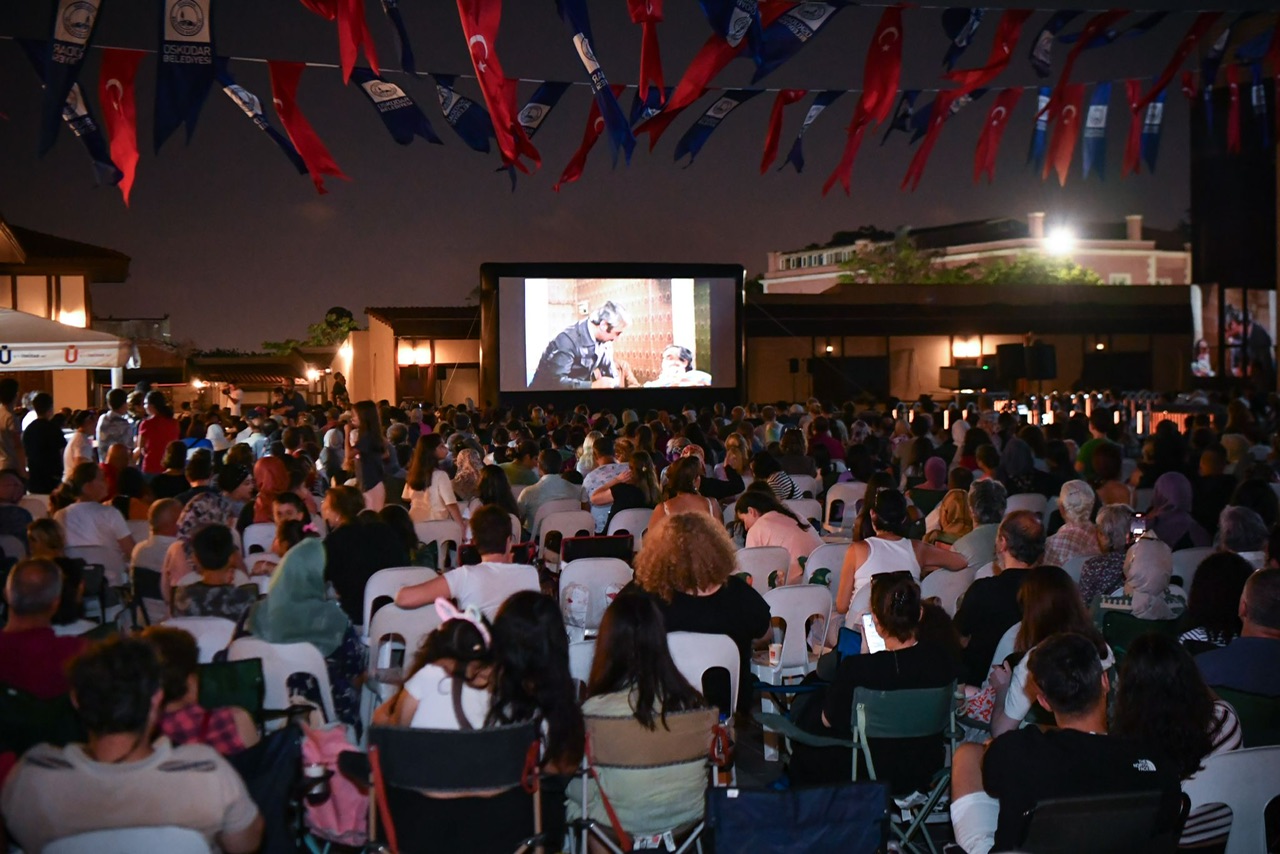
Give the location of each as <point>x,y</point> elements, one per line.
<point>531,116</point>
<point>381,90</point>
<point>584,51</point>
<point>722,108</point>
<point>1097,117</point>
<point>187,21</point>
<point>76,21</point>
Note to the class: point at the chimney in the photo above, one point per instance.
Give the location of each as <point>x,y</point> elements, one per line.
<point>1035,225</point>
<point>1133,227</point>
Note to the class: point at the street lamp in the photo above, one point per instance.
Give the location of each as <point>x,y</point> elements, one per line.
<point>1060,241</point>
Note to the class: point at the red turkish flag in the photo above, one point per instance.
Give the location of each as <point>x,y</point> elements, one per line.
<point>984,160</point>
<point>480,20</point>
<point>1008,31</point>
<point>353,32</point>
<point>881,72</point>
<point>941,112</point>
<point>1198,28</point>
<point>710,60</point>
<point>1133,144</point>
<point>648,14</point>
<point>284,89</point>
<point>1233,112</point>
<point>120,110</point>
<point>1096,26</point>
<point>595,127</point>
<point>1066,130</point>
<point>785,98</point>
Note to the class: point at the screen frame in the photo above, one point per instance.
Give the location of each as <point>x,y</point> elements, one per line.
<point>646,398</point>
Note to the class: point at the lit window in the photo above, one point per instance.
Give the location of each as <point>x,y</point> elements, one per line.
<point>1120,279</point>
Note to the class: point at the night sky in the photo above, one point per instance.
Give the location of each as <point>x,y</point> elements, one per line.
<point>236,247</point>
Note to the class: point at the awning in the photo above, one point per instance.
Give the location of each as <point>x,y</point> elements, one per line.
<point>31,343</point>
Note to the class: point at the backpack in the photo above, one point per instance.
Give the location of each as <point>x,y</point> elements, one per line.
<point>342,816</point>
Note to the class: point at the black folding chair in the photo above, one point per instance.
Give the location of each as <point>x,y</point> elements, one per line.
<point>145,584</point>
<point>26,720</point>
<point>450,790</point>
<point>1100,824</point>
<point>852,818</point>
<point>575,548</point>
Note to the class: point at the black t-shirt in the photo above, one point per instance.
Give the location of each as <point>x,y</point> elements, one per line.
<point>43,443</point>
<point>354,552</point>
<point>989,608</point>
<point>168,485</point>
<point>627,496</point>
<point>906,763</point>
<point>736,610</point>
<point>1029,765</point>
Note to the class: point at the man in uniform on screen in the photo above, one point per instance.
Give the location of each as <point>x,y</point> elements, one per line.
<point>582,355</point>
<point>677,369</point>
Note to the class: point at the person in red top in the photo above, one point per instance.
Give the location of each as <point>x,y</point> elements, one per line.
<point>155,433</point>
<point>32,657</point>
<point>820,434</point>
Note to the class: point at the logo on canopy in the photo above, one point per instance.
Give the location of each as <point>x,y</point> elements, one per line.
<point>72,354</point>
<point>6,355</point>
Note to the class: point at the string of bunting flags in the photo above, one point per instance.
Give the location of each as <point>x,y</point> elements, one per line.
<point>768,33</point>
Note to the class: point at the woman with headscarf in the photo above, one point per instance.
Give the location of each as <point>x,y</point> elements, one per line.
<point>297,610</point>
<point>272,478</point>
<point>1148,567</point>
<point>1170,515</point>
<point>466,482</point>
<point>925,496</point>
<point>1237,446</point>
<point>954,517</point>
<point>1077,537</point>
<point>1017,470</point>
<point>235,488</point>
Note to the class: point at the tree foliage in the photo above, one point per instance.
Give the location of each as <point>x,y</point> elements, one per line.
<point>338,323</point>
<point>902,262</point>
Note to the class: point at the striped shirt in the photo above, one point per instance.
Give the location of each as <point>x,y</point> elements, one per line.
<point>1210,822</point>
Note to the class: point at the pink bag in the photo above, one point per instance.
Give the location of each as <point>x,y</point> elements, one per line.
<point>343,816</point>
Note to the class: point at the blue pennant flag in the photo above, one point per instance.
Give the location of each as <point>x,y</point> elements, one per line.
<point>184,65</point>
<point>643,109</point>
<point>902,114</point>
<point>399,113</point>
<point>1095,131</point>
<point>1258,98</point>
<point>734,20</point>
<point>535,112</point>
<point>1151,124</point>
<point>1141,28</point>
<point>469,120</point>
<point>920,121</point>
<point>77,115</point>
<point>1254,49</point>
<point>73,26</point>
<point>392,10</point>
<point>696,137</point>
<point>574,12</point>
<point>252,107</point>
<point>820,102</point>
<point>1040,136</point>
<point>791,31</point>
<point>960,26</point>
<point>1042,47</point>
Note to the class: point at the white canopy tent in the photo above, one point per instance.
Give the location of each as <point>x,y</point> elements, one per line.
<point>31,343</point>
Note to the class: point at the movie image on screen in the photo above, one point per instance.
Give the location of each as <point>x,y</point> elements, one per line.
<point>1248,324</point>
<point>617,333</point>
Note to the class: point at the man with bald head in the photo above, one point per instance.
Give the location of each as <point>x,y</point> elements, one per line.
<point>32,657</point>
<point>1251,662</point>
<point>990,605</point>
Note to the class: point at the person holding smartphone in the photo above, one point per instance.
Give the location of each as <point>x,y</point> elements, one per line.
<point>911,658</point>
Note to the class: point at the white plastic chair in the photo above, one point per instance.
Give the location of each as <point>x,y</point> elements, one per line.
<point>1142,499</point>
<point>560,505</point>
<point>634,521</point>
<point>1050,507</point>
<point>130,840</point>
<point>36,505</point>
<point>793,606</point>
<point>263,581</point>
<point>729,514</point>
<point>1073,566</point>
<point>1004,648</point>
<point>597,574</point>
<point>859,605</point>
<point>1246,781</point>
<point>828,556</point>
<point>695,653</point>
<point>1026,501</point>
<point>279,662</point>
<point>516,489</point>
<point>987,570</point>
<point>12,547</point>
<point>110,558</point>
<point>444,533</point>
<point>582,654</point>
<point>212,634</point>
<point>947,586</point>
<point>1186,562</point>
<point>260,534</point>
<point>807,483</point>
<point>760,561</point>
<point>567,523</point>
<point>849,494</point>
<point>805,508</point>
<point>139,529</point>
<point>387,582</point>
<point>394,626</point>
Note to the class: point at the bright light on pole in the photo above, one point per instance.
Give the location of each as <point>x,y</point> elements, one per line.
<point>1060,241</point>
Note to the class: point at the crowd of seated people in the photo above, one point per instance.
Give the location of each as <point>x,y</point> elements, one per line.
<point>342,486</point>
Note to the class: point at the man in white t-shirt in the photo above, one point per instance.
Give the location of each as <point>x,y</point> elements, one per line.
<point>79,446</point>
<point>234,396</point>
<point>120,778</point>
<point>485,585</point>
<point>88,522</point>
